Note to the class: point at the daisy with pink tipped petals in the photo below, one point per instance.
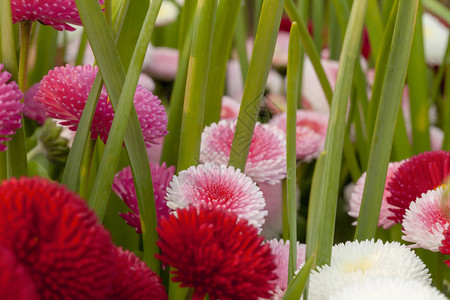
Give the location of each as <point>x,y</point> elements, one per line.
<point>310,133</point>
<point>10,108</point>
<point>123,186</point>
<point>266,160</point>
<point>424,222</point>
<point>280,249</point>
<point>56,13</point>
<point>64,92</point>
<point>356,197</point>
<point>220,187</point>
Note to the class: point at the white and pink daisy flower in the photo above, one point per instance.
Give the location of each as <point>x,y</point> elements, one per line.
<point>310,133</point>
<point>221,187</point>
<point>273,193</point>
<point>10,108</point>
<point>435,37</point>
<point>425,221</point>
<point>356,197</point>
<point>64,92</point>
<point>266,160</point>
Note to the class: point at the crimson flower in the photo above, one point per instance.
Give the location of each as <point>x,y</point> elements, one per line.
<point>216,254</point>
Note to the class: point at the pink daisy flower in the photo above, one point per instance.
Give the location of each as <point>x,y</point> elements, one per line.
<point>215,253</point>
<point>10,108</point>
<point>229,109</point>
<point>280,249</point>
<point>356,197</point>
<point>310,134</point>
<point>415,176</point>
<point>64,92</point>
<point>33,109</point>
<point>123,186</point>
<point>273,194</point>
<point>266,160</point>
<point>161,63</point>
<point>56,13</point>
<point>135,280</point>
<point>220,187</point>
<point>424,222</point>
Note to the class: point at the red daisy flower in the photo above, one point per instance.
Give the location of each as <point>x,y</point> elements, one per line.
<point>57,238</point>
<point>15,282</point>
<point>135,280</point>
<point>216,254</point>
<point>415,176</point>
<point>56,13</point>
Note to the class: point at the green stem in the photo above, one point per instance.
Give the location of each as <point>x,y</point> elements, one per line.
<point>240,36</point>
<point>81,49</point>
<point>285,232</point>
<point>3,165</point>
<point>186,17</point>
<point>196,85</point>
<point>86,167</point>
<point>391,95</point>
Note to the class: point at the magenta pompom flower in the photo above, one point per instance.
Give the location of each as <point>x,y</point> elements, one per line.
<point>415,176</point>
<point>135,280</point>
<point>33,109</point>
<point>123,186</point>
<point>216,254</point>
<point>56,13</point>
<point>10,107</point>
<point>356,197</point>
<point>425,221</point>
<point>266,160</point>
<point>311,132</point>
<point>64,92</point>
<point>57,238</point>
<point>15,282</point>
<point>220,187</point>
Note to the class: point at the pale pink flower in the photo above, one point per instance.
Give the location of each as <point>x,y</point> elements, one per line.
<point>161,63</point>
<point>64,92</point>
<point>356,197</point>
<point>280,55</point>
<point>273,193</point>
<point>229,109</point>
<point>234,82</point>
<point>123,186</point>
<point>266,161</point>
<point>167,14</point>
<point>221,187</point>
<point>147,82</point>
<point>33,109</point>
<point>56,13</point>
<point>425,221</point>
<point>310,133</point>
<point>10,108</point>
<point>276,103</point>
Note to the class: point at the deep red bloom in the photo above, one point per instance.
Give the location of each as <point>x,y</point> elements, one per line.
<point>415,176</point>
<point>15,282</point>
<point>445,248</point>
<point>57,238</point>
<point>215,253</point>
<point>135,281</point>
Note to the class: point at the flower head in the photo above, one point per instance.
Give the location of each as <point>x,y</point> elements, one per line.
<point>389,288</point>
<point>56,13</point>
<point>123,186</point>
<point>445,248</point>
<point>354,262</point>
<point>168,13</point>
<point>415,176</point>
<point>356,197</point>
<point>266,160</point>
<point>220,187</point>
<point>435,37</point>
<point>215,253</point>
<point>10,107</point>
<point>424,222</point>
<point>15,282</point>
<point>64,92</point>
<point>229,109</point>
<point>161,63</point>
<point>52,232</point>
<point>135,279</point>
<point>311,132</point>
<point>33,109</point>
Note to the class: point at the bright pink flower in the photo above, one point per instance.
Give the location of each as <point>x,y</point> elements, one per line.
<point>445,248</point>
<point>220,187</point>
<point>356,197</point>
<point>58,239</point>
<point>10,107</point>
<point>56,13</point>
<point>229,109</point>
<point>311,132</point>
<point>33,109</point>
<point>415,176</point>
<point>135,280</point>
<point>280,249</point>
<point>15,282</point>
<point>64,92</point>
<point>424,222</point>
<point>161,63</point>
<point>266,160</point>
<point>123,186</point>
<point>215,253</point>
